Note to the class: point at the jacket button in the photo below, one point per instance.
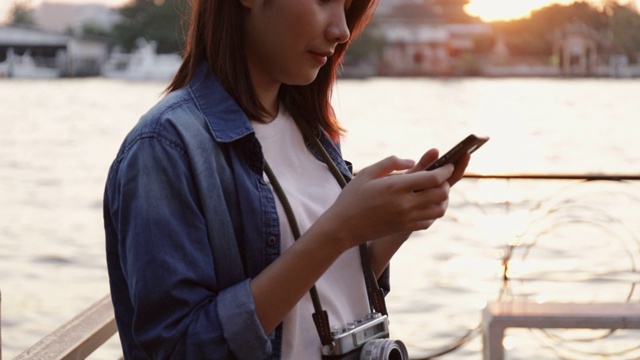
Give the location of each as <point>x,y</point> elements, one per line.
<point>271,241</point>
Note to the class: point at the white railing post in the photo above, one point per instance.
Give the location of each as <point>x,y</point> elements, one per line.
<point>498,316</point>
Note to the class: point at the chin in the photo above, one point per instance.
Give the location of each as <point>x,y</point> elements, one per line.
<point>302,79</point>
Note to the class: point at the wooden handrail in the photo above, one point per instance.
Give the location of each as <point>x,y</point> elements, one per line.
<point>77,338</point>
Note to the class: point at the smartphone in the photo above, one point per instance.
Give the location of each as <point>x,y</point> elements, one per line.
<point>470,144</point>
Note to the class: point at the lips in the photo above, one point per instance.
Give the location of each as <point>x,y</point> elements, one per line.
<point>323,53</point>
<point>321,57</point>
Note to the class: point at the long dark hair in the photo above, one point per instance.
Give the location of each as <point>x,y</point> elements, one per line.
<point>216,36</point>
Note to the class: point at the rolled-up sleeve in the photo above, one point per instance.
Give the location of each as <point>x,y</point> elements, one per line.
<point>173,307</point>
<point>240,325</point>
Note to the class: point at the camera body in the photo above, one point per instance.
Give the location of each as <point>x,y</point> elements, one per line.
<point>364,339</point>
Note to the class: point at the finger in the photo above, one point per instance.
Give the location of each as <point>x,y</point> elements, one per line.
<point>460,168</point>
<point>427,158</point>
<point>434,195</point>
<point>428,179</point>
<point>427,217</point>
<point>386,166</point>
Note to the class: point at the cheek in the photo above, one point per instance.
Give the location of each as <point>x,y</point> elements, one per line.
<point>267,46</point>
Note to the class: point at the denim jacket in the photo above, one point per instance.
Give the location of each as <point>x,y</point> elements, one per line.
<point>189,175</point>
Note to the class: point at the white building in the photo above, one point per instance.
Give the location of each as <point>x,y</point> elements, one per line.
<point>420,39</point>
<point>69,55</point>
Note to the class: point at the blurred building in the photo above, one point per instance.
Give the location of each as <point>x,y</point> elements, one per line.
<point>429,37</point>
<point>40,44</point>
<point>28,52</point>
<point>576,48</point>
<point>59,44</point>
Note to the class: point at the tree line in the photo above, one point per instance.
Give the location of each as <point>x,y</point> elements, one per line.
<point>165,21</point>
<point>617,25</point>
<point>162,21</point>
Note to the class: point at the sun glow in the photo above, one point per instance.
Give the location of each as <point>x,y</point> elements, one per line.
<point>493,10</point>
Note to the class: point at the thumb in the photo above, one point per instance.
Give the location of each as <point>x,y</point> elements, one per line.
<point>386,166</point>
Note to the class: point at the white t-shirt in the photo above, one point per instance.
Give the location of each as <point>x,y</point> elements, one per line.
<point>310,189</point>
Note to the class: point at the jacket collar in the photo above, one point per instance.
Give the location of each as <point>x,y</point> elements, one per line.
<point>225,118</point>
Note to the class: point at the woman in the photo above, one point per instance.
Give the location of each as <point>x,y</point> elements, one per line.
<point>202,258</point>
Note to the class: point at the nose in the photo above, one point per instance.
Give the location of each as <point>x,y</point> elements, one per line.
<point>338,30</point>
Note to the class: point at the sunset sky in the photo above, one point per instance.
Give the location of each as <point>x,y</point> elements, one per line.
<point>490,10</point>
<point>487,10</point>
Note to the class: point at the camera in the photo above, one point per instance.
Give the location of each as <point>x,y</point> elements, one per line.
<point>365,339</point>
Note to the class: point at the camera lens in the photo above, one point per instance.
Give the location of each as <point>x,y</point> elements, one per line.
<point>395,354</point>
<point>384,349</point>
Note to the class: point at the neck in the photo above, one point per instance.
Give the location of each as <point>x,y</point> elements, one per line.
<point>271,104</point>
<point>267,93</point>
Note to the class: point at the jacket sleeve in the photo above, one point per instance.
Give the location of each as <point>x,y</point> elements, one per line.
<point>166,261</point>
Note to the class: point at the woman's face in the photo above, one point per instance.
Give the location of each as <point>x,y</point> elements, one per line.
<point>287,41</point>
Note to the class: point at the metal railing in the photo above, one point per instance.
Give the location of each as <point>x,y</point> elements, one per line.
<point>585,177</point>
<point>90,329</point>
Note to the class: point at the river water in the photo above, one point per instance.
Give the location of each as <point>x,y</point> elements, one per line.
<point>564,240</point>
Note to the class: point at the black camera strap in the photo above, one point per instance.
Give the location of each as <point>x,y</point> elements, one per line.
<point>374,293</point>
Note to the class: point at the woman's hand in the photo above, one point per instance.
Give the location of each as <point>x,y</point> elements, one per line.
<point>374,205</point>
<point>382,250</point>
<point>432,155</point>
